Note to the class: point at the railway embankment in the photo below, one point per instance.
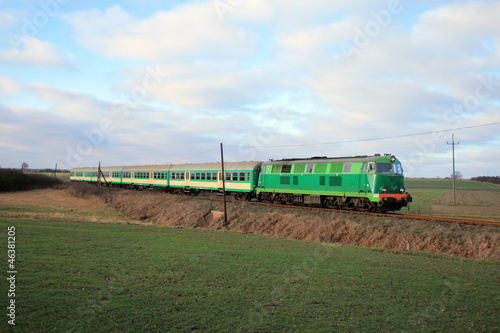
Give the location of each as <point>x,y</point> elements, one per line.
<point>482,242</point>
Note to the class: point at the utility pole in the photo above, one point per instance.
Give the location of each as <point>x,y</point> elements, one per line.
<point>99,176</point>
<point>223,183</point>
<point>453,143</point>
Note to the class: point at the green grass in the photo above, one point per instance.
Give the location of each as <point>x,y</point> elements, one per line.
<point>105,277</point>
<point>447,184</point>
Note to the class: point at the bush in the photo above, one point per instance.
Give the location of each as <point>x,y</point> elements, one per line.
<point>493,180</point>
<point>15,180</point>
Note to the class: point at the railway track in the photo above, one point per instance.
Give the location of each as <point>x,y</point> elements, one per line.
<point>390,215</point>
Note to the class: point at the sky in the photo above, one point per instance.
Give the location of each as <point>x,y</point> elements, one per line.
<point>165,82</point>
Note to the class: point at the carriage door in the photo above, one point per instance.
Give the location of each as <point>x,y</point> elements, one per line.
<point>219,180</point>
<point>187,180</point>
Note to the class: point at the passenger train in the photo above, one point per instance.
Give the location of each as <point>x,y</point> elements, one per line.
<point>366,183</point>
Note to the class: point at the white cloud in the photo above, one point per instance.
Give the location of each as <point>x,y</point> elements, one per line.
<point>9,86</point>
<point>188,31</point>
<point>33,52</point>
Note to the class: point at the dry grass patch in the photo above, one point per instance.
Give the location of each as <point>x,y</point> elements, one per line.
<point>310,225</point>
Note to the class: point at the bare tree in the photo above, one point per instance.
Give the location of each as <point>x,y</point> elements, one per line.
<point>24,167</point>
<point>458,175</point>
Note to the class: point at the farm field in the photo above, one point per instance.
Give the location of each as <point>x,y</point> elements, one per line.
<point>435,197</point>
<point>116,277</point>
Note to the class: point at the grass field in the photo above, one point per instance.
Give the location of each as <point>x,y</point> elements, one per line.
<point>80,277</point>
<point>474,199</point>
<point>61,175</point>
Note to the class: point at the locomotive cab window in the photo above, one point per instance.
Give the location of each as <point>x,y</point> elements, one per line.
<point>365,167</point>
<point>383,167</point>
<point>370,167</point>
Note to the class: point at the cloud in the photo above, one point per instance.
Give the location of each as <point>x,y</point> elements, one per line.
<point>186,32</point>
<point>9,86</point>
<point>33,52</point>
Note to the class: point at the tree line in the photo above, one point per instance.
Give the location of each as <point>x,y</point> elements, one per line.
<point>487,179</point>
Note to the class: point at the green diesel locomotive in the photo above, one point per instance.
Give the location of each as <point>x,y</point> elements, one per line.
<point>369,183</point>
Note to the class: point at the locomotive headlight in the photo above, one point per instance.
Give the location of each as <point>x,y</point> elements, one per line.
<point>402,190</point>
<point>384,189</point>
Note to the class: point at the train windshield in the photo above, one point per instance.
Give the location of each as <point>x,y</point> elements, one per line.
<point>383,167</point>
<point>386,167</point>
<point>398,170</point>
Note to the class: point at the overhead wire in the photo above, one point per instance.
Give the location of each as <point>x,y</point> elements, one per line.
<point>363,140</point>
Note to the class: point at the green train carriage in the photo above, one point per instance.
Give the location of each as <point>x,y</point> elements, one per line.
<point>361,183</point>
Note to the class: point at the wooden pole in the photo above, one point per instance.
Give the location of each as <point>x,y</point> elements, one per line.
<point>453,143</point>
<point>99,175</point>
<point>223,183</point>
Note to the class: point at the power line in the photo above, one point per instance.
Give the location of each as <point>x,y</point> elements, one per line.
<point>369,139</point>
<point>189,157</point>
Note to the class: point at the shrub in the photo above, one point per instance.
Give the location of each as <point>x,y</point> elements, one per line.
<point>15,180</point>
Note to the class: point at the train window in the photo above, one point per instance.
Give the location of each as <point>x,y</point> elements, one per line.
<point>242,176</point>
<point>398,170</point>
<point>248,176</point>
<point>214,176</point>
<point>172,175</point>
<point>370,167</point>
<point>228,175</point>
<point>263,169</point>
<point>235,176</point>
<point>286,169</point>
<point>192,175</point>
<point>197,176</point>
<point>365,167</point>
<point>203,177</point>
<point>383,167</point>
<point>276,169</point>
<point>309,168</point>
<point>182,175</point>
<point>347,167</point>
<point>209,176</point>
